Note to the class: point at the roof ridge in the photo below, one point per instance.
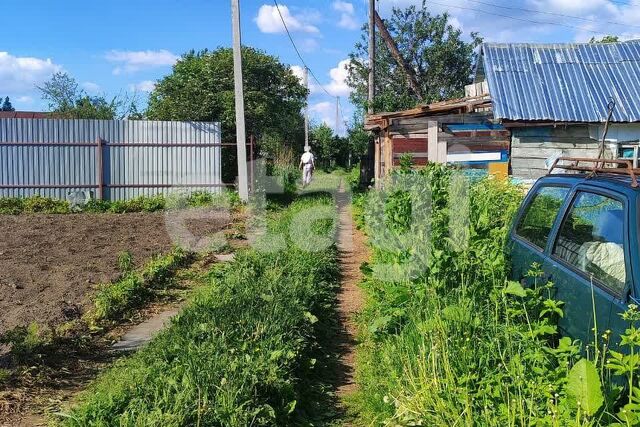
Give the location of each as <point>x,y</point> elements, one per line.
<point>551,45</point>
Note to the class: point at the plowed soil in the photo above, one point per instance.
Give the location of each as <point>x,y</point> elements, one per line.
<point>50,265</point>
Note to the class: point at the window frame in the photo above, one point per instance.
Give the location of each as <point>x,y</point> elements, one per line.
<point>534,192</point>
<point>624,293</point>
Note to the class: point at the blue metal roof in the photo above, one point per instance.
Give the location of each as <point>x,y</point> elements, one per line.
<point>563,82</point>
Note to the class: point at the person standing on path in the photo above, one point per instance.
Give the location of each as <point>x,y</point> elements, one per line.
<point>307,165</point>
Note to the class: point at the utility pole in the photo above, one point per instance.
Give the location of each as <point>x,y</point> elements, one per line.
<point>409,73</point>
<point>372,54</point>
<point>372,89</point>
<point>306,110</point>
<point>241,138</point>
<point>337,115</point>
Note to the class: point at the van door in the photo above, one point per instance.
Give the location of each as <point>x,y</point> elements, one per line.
<point>588,261</point>
<point>533,227</point>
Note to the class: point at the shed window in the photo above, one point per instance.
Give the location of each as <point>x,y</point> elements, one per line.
<point>540,215</point>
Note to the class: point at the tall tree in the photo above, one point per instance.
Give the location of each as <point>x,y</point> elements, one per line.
<point>442,60</point>
<point>200,88</point>
<point>67,100</point>
<point>6,105</point>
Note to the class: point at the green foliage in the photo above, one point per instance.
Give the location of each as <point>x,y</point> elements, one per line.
<point>437,51</point>
<point>115,300</point>
<point>11,205</point>
<point>67,100</point>
<point>200,88</point>
<point>39,204</point>
<point>459,343</point>
<point>26,343</point>
<point>240,354</point>
<point>584,389</point>
<point>125,262</point>
<point>6,105</point>
<point>605,39</point>
<point>325,145</point>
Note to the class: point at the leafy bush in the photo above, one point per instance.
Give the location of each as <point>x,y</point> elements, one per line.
<point>39,204</point>
<point>11,205</point>
<point>239,354</point>
<point>456,343</point>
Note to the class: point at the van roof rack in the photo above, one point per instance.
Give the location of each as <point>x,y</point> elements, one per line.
<point>623,167</point>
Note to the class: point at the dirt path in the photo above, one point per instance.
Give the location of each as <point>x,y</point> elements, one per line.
<point>353,252</point>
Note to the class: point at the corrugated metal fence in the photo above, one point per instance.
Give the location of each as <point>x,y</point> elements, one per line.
<point>116,159</point>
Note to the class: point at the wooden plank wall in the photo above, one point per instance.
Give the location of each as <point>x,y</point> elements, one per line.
<point>531,146</point>
<point>461,142</point>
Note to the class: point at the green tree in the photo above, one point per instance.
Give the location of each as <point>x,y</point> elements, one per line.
<point>201,88</point>
<point>442,60</point>
<point>605,39</point>
<point>325,145</point>
<point>67,100</point>
<point>6,105</point>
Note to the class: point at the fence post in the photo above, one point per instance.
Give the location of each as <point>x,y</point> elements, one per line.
<point>99,169</point>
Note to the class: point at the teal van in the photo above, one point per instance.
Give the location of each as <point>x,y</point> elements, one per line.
<point>582,229</point>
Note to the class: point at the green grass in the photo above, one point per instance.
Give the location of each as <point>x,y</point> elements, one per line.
<point>244,352</point>
<point>115,300</point>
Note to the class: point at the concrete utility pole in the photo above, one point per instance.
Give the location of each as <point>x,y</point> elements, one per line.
<point>337,115</point>
<point>372,53</point>
<point>306,109</point>
<point>241,138</point>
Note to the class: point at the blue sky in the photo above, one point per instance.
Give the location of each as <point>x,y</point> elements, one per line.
<point>120,45</point>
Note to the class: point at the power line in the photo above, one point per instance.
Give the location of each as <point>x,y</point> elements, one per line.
<point>552,14</point>
<point>531,21</point>
<point>275,2</point>
<point>346,125</point>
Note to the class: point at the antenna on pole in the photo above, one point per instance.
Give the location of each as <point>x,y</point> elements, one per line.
<point>241,138</point>
<point>306,110</point>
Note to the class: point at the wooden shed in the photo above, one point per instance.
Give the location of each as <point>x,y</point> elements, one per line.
<point>460,131</point>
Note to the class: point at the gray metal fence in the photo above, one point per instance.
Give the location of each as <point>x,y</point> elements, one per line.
<point>115,159</point>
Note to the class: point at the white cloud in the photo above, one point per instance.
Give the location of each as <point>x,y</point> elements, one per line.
<point>21,74</point>
<point>25,99</point>
<point>348,21</point>
<point>343,6</point>
<point>308,45</point>
<point>269,20</point>
<point>91,88</point>
<point>338,85</point>
<point>143,86</point>
<point>347,18</point>
<point>298,71</point>
<point>132,61</point>
<point>325,111</point>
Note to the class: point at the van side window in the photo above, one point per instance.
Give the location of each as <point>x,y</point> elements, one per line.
<point>592,239</point>
<point>540,214</point>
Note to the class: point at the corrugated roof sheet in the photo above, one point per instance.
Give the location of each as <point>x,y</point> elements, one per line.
<point>24,115</point>
<point>564,82</point>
